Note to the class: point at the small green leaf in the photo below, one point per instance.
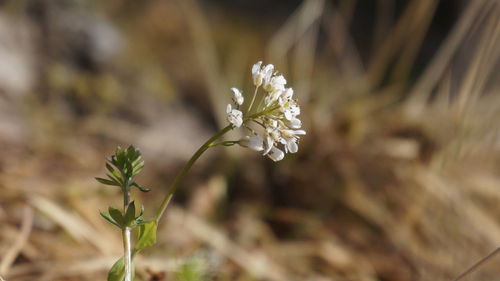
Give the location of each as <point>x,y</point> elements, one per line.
<point>137,167</point>
<point>130,170</point>
<point>107,182</point>
<point>146,235</point>
<point>139,221</point>
<point>142,211</point>
<point>132,153</point>
<point>118,181</point>
<point>140,187</point>
<point>109,218</point>
<point>114,172</point>
<point>116,215</point>
<point>117,271</point>
<point>130,214</point>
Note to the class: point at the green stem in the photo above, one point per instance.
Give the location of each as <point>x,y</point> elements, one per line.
<point>127,244</point>
<point>180,176</point>
<point>224,143</point>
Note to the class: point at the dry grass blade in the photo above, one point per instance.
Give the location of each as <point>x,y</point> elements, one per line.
<point>11,254</point>
<point>53,270</point>
<point>71,223</point>
<point>294,28</point>
<point>482,63</point>
<point>342,45</point>
<point>478,264</point>
<point>257,264</point>
<point>394,41</point>
<point>206,53</point>
<point>423,89</point>
<point>418,29</point>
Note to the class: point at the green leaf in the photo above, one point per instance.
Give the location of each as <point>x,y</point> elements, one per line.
<point>133,153</point>
<point>130,214</point>
<point>107,182</point>
<point>130,170</point>
<point>114,172</point>
<point>137,167</point>
<point>140,187</point>
<point>109,218</point>
<point>146,236</point>
<point>139,221</point>
<point>117,181</point>
<point>117,216</point>
<point>120,158</point>
<point>117,271</point>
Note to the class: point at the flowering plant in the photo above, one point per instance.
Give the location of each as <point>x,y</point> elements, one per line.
<point>273,128</point>
<point>275,116</point>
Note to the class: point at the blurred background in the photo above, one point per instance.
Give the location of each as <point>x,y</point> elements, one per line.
<point>398,178</point>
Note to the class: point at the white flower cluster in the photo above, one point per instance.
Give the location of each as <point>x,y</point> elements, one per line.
<point>276,117</point>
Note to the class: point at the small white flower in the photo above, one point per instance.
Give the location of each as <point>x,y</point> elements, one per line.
<point>279,130</point>
<point>277,83</point>
<point>267,74</point>
<point>234,116</point>
<point>294,123</point>
<point>290,109</point>
<point>237,96</point>
<point>276,154</point>
<point>257,74</point>
<point>254,142</point>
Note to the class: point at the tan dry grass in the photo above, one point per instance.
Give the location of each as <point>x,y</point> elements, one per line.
<point>382,190</point>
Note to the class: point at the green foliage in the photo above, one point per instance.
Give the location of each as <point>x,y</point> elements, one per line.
<point>117,216</point>
<point>117,271</point>
<point>146,235</point>
<point>129,219</point>
<point>109,218</point>
<point>123,166</point>
<point>130,214</point>
<point>192,270</point>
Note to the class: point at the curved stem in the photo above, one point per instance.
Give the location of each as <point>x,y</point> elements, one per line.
<point>180,176</point>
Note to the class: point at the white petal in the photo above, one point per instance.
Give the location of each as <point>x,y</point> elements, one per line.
<point>276,154</point>
<point>238,122</point>
<point>267,73</point>
<point>237,96</point>
<point>269,145</point>
<point>228,108</point>
<point>256,143</point>
<point>256,68</point>
<point>292,146</point>
<point>299,132</point>
<point>279,80</point>
<point>295,123</point>
<point>288,94</point>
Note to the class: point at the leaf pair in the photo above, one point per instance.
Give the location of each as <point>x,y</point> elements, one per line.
<point>116,217</point>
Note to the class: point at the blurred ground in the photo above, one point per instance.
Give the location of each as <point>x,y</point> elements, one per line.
<point>397,179</point>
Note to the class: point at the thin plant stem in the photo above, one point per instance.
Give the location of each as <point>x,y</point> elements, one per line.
<point>180,176</point>
<point>477,264</point>
<point>127,244</point>
<point>225,143</point>
<point>253,99</point>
